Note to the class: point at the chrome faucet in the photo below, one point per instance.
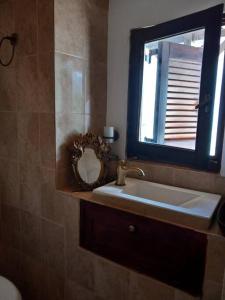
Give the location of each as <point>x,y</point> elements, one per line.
<point>123,170</point>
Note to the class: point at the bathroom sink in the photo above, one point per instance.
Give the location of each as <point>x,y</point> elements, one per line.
<point>179,202</point>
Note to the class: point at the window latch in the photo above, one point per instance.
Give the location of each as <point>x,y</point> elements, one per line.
<point>204,104</point>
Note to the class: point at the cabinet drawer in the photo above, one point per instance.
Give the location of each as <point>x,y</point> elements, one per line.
<point>163,251</point>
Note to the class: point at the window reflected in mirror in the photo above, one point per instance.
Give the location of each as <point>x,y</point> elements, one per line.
<point>176,79</point>
<point>170,90</point>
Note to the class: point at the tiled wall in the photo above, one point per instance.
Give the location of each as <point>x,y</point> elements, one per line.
<point>80,74</point>
<point>37,238</point>
<point>39,226</point>
<point>27,142</point>
<point>181,176</point>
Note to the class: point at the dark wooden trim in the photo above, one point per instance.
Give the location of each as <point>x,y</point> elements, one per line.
<point>199,158</point>
<point>216,160</point>
<point>162,90</point>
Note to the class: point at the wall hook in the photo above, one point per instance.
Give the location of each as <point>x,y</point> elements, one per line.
<point>13,41</point>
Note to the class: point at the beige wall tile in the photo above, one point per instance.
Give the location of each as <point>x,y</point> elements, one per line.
<point>27,84</point>
<point>163,175</point>
<point>72,219</point>
<point>195,180</point>
<point>52,204</point>
<point>11,226</point>
<point>215,265</point>
<point>145,288</point>
<point>98,29</point>
<point>219,185</point>
<point>26,26</point>
<point>46,87</point>
<point>10,264</point>
<point>96,88</point>
<point>53,285</point>
<point>47,140</point>
<point>181,177</point>
<point>154,172</point>
<point>31,235</point>
<point>212,290</point>
<point>45,31</point>
<point>28,137</point>
<point>8,135</point>
<point>65,178</point>
<point>9,182</point>
<point>223,291</point>
<point>79,261</point>
<point>31,179</point>
<point>29,198</point>
<point>33,281</point>
<point>6,17</point>
<point>52,243</point>
<point>11,216</point>
<point>95,123</point>
<point>179,295</point>
<point>102,5</point>
<point>70,83</point>
<point>111,280</point>
<point>74,291</point>
<point>67,125</point>
<point>8,89</point>
<point>71,32</point>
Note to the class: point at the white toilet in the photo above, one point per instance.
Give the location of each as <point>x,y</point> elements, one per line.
<point>8,291</point>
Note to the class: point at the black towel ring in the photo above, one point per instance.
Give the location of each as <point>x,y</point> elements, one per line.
<point>13,41</point>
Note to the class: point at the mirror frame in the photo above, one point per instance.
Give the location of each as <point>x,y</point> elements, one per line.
<point>199,158</point>
<point>102,151</point>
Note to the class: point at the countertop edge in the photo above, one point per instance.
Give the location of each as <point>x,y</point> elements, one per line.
<point>139,209</point>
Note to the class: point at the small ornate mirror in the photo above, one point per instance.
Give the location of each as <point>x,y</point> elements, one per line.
<point>89,156</point>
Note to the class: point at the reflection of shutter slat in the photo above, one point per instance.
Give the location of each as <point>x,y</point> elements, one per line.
<point>183,78</point>
<point>182,113</point>
<point>184,130</point>
<point>181,119</point>
<point>182,101</point>
<point>180,107</point>
<point>183,83</point>
<point>181,136</point>
<point>184,65</point>
<point>178,89</point>
<point>180,125</point>
<point>184,72</point>
<point>182,97</point>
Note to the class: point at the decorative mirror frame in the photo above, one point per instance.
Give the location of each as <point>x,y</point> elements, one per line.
<point>102,151</point>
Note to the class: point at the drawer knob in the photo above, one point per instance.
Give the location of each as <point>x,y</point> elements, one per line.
<point>131,228</point>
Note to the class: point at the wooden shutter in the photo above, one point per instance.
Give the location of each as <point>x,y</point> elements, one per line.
<point>184,74</point>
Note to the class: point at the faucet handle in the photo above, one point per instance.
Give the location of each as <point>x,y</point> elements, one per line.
<point>122,163</point>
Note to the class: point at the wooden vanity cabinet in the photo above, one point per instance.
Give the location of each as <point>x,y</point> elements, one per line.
<point>166,252</point>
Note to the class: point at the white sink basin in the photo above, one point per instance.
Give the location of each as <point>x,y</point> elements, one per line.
<point>167,198</point>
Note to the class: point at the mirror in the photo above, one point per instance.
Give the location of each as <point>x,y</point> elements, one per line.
<point>175,91</point>
<point>89,156</point>
<point>89,166</point>
<point>170,90</point>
